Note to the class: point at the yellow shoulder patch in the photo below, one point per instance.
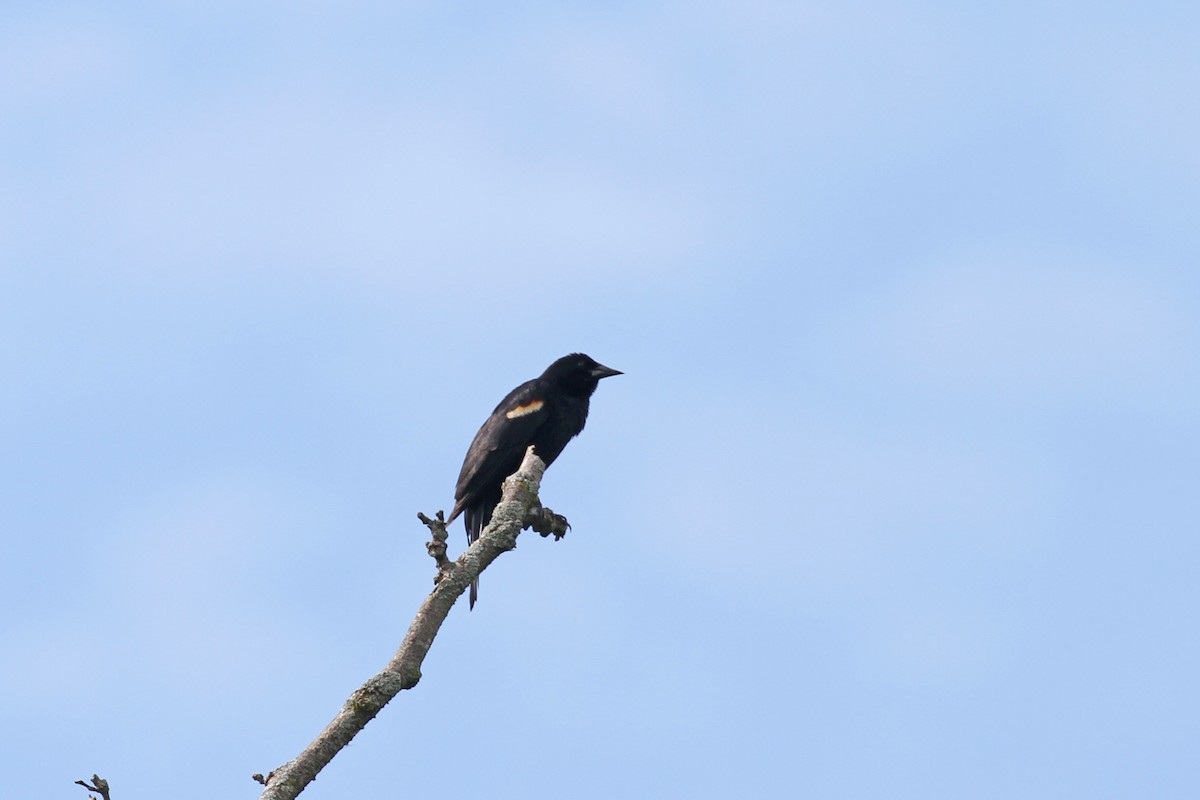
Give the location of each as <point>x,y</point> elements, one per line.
<point>521,411</point>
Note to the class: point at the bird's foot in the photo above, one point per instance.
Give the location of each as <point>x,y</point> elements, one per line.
<point>546,522</point>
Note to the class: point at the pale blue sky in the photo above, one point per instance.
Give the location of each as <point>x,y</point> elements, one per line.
<point>897,497</point>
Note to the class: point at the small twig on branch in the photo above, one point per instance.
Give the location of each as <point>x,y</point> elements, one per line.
<point>437,547</point>
<point>404,670</point>
<point>98,785</point>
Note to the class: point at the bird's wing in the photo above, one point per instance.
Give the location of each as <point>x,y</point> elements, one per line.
<point>500,444</point>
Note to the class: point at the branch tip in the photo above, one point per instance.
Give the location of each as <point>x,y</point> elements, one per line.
<point>404,670</point>
<point>98,785</point>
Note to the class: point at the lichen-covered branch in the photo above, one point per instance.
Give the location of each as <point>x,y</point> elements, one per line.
<point>518,508</point>
<point>98,785</point>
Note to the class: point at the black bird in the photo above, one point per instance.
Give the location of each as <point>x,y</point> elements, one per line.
<point>546,412</point>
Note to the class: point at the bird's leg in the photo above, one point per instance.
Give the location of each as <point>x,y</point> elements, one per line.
<point>546,522</point>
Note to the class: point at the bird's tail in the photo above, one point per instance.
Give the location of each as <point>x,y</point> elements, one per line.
<point>475,522</point>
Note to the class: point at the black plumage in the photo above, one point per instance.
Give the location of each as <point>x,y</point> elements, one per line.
<point>546,412</point>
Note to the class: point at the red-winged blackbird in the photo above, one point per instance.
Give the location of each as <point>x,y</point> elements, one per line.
<point>546,412</point>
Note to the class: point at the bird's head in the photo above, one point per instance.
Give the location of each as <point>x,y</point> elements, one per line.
<point>578,374</point>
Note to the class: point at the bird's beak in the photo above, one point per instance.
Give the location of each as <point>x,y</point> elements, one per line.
<point>600,371</point>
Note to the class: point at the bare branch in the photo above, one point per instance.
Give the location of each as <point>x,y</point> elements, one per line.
<point>437,546</point>
<point>404,670</point>
<point>98,785</point>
